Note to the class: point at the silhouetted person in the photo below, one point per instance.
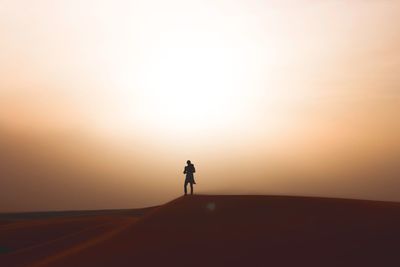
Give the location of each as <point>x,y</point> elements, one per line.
<point>189,170</point>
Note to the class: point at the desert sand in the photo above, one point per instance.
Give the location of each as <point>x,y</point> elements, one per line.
<point>210,230</point>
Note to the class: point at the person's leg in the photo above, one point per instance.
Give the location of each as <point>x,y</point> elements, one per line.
<point>185,187</point>
<point>191,188</point>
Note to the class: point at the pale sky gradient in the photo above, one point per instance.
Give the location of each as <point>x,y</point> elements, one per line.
<point>102,102</point>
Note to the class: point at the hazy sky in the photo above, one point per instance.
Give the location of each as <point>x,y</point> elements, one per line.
<point>102,102</point>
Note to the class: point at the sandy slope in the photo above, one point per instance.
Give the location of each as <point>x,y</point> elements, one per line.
<point>239,231</point>
<point>30,239</point>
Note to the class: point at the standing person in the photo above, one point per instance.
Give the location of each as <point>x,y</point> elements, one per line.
<point>189,170</point>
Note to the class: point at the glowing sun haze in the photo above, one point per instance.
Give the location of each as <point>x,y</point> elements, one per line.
<point>102,102</point>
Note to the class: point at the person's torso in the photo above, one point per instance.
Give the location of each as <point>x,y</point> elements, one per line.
<point>189,169</point>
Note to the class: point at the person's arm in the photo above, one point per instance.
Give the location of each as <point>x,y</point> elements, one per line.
<point>184,170</point>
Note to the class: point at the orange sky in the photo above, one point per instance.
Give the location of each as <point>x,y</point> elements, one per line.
<point>102,102</point>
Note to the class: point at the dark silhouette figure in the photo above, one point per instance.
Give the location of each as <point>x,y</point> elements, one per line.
<point>189,170</point>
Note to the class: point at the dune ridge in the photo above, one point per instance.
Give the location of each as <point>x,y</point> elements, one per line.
<point>207,230</point>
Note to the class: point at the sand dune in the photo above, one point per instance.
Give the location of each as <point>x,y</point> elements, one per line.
<point>30,239</point>
<point>216,231</point>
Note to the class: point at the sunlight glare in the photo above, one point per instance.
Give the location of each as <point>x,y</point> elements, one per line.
<point>193,86</point>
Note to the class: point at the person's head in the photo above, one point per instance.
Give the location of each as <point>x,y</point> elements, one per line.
<point>188,162</point>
